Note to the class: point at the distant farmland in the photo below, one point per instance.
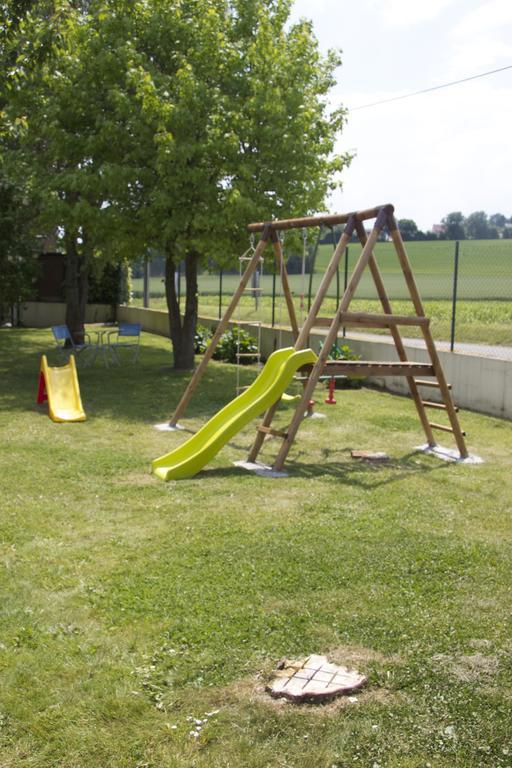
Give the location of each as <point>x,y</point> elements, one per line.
<point>485,272</point>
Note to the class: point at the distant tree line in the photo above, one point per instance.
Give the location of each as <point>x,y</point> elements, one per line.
<point>476,226</point>
<point>454,226</point>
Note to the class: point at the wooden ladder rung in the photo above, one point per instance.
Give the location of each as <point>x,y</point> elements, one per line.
<point>439,406</point>
<point>371,320</point>
<point>443,428</point>
<point>426,383</point>
<point>273,432</point>
<point>323,322</point>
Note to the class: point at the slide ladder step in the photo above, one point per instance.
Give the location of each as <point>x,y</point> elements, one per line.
<point>272,432</point>
<point>368,320</point>
<point>444,428</point>
<point>439,406</point>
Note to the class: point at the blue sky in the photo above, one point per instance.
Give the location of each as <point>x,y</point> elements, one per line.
<point>430,154</point>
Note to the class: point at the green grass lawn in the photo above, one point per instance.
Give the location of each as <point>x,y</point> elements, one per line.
<point>131,607</point>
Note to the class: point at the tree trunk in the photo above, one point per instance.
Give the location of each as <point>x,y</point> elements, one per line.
<point>182,332</point>
<point>77,286</point>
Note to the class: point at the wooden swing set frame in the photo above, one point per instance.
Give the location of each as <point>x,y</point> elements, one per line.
<point>384,217</point>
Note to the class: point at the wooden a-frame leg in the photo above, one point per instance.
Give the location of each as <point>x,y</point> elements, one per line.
<point>260,436</point>
<point>303,336</point>
<point>223,324</point>
<point>285,283</point>
<point>397,338</point>
<point>330,339</point>
<point>427,335</point>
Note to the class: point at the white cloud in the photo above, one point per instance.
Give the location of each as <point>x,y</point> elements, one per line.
<point>491,16</point>
<point>482,39</point>
<point>434,153</point>
<point>407,13</point>
<point>431,155</point>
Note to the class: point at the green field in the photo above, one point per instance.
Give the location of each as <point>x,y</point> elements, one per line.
<point>485,272</point>
<point>131,609</point>
<point>484,291</point>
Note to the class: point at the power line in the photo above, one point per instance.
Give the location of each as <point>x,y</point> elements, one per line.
<point>428,90</point>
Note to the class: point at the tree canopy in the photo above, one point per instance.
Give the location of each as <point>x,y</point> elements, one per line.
<point>166,125</point>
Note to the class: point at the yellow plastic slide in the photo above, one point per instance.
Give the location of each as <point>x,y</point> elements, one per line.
<point>186,460</point>
<point>60,387</point>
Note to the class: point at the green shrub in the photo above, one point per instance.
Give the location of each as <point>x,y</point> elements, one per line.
<point>227,347</point>
<point>202,339</point>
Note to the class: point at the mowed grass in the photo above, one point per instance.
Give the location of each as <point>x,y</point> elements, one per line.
<point>130,606</point>
<point>484,289</point>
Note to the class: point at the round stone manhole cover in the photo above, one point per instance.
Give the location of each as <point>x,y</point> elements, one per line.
<point>314,678</point>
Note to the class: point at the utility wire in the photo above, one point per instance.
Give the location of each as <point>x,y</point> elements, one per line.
<point>428,90</point>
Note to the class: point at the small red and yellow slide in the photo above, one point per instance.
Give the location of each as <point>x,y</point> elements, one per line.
<point>59,386</point>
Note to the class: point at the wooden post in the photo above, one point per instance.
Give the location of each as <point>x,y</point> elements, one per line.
<point>273,299</point>
<point>278,252</point>
<point>146,282</point>
<point>198,373</point>
<point>325,283</point>
<point>427,335</point>
<point>220,293</point>
<point>454,294</point>
<point>316,221</point>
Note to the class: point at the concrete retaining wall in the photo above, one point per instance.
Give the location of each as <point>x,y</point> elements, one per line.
<point>479,383</point>
<point>43,314</point>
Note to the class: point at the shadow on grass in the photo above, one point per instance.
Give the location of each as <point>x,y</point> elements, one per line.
<point>145,392</point>
<point>360,474</point>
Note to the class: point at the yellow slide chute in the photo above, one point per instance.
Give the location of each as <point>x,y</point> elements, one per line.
<point>186,460</point>
<point>60,387</point>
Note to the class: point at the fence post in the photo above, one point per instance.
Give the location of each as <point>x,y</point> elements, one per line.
<point>345,281</point>
<point>220,293</point>
<point>454,294</point>
<point>146,275</point>
<point>273,298</point>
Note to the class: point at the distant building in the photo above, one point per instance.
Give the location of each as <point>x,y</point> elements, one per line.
<point>438,229</point>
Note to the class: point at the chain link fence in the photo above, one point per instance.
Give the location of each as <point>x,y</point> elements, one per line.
<point>466,287</point>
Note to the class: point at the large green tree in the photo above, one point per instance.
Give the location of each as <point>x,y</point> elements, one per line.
<point>168,125</point>
<point>408,229</point>
<point>57,133</point>
<point>454,226</point>
<point>242,130</point>
<point>479,228</point>
<point>18,263</point>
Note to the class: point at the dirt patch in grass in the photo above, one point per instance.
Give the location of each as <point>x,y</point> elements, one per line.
<point>472,668</point>
<point>352,655</point>
<point>251,691</point>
